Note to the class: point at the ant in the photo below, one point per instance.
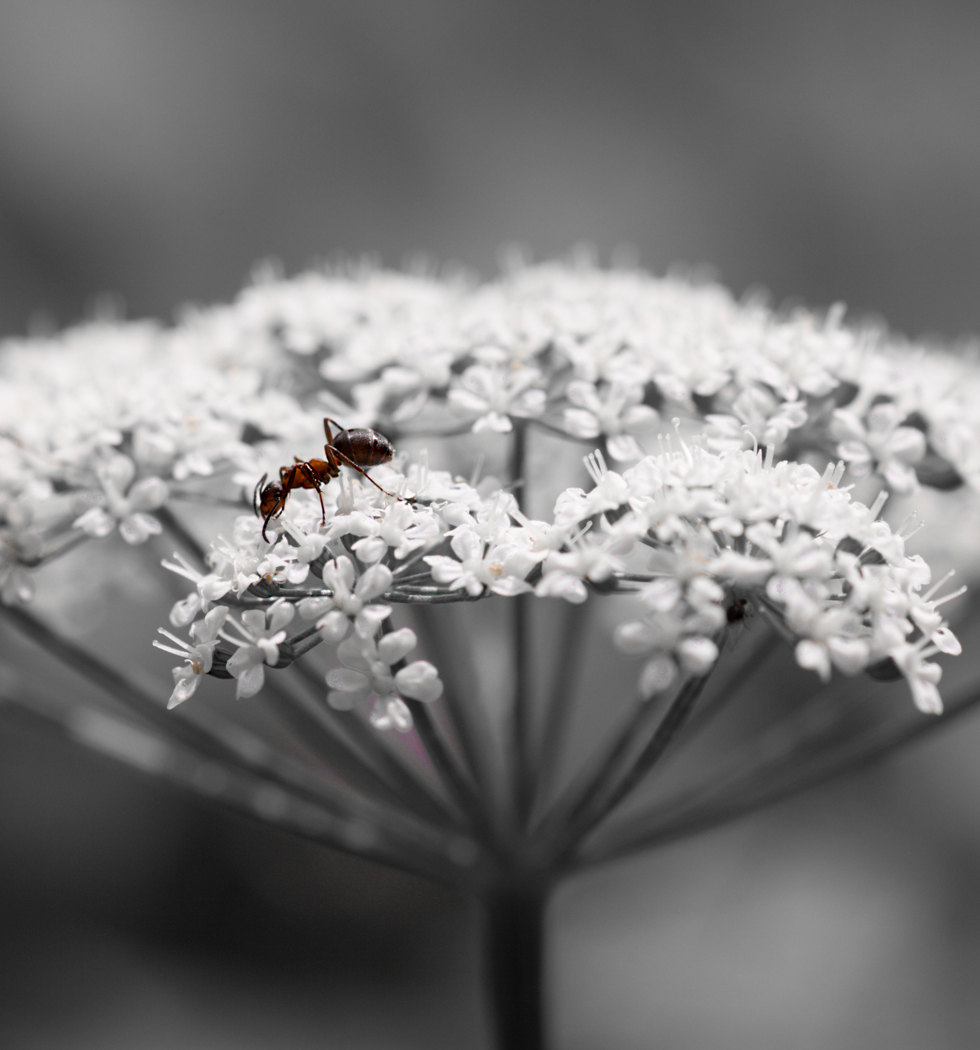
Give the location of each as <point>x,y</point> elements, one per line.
<point>358,448</point>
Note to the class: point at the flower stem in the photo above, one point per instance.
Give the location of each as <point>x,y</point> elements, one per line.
<point>520,720</point>
<point>182,534</point>
<point>450,645</point>
<point>677,714</point>
<point>523,669</point>
<point>557,715</point>
<point>111,682</point>
<point>515,957</point>
<point>770,786</point>
<point>616,775</point>
<point>456,782</point>
<point>243,791</point>
<point>385,771</point>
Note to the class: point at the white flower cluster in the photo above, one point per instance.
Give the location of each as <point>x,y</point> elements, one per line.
<point>734,533</point>
<point>102,424</point>
<point>599,355</point>
<point>696,538</point>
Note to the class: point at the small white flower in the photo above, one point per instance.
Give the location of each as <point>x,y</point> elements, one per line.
<point>261,635</point>
<point>614,411</point>
<point>565,571</point>
<point>494,394</point>
<point>880,444</point>
<point>127,511</point>
<point>758,419</point>
<point>923,677</point>
<point>210,588</point>
<point>367,672</point>
<point>419,680</point>
<point>923,611</point>
<point>658,676</point>
<point>199,656</point>
<point>499,568</point>
<point>399,526</point>
<point>351,597</point>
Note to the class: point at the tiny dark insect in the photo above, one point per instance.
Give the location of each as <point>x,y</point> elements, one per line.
<point>357,449</point>
<point>737,611</point>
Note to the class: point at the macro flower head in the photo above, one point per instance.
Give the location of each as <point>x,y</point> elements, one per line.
<point>563,462</point>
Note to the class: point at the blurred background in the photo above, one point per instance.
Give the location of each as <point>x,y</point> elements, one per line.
<point>157,150</point>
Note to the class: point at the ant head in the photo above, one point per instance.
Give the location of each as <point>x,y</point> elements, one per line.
<point>255,493</point>
<point>269,498</point>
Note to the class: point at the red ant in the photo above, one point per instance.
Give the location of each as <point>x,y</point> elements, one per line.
<point>358,448</point>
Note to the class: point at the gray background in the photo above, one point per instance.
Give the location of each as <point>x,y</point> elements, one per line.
<point>157,149</point>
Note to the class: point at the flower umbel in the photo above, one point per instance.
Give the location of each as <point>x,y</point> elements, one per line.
<point>730,514</point>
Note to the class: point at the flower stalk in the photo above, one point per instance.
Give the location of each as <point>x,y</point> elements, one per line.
<point>515,947</point>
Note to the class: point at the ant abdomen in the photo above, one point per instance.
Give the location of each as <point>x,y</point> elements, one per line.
<point>366,448</point>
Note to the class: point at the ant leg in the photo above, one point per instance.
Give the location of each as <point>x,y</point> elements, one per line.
<point>341,458</point>
<point>326,428</point>
<point>315,483</point>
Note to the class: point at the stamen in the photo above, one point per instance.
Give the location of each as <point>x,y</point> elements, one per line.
<point>879,501</point>
<point>478,467</point>
<point>909,527</point>
<point>184,568</point>
<point>935,587</point>
<point>173,638</point>
<point>949,597</point>
<point>169,649</point>
<point>595,464</point>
